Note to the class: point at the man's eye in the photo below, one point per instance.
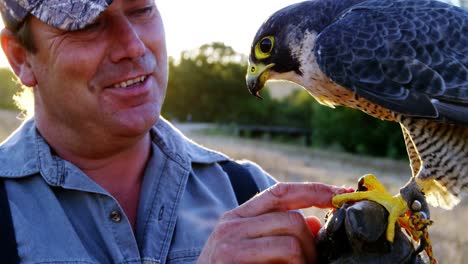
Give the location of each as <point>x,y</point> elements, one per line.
<point>144,11</point>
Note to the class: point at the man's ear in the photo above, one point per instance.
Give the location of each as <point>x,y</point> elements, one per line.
<point>17,56</point>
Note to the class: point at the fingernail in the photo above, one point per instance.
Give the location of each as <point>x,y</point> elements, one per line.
<point>342,190</point>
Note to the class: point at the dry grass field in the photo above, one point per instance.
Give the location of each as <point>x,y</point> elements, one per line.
<point>296,163</point>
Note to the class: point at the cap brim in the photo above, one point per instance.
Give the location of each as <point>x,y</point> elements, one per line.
<point>67,15</point>
<point>70,15</point>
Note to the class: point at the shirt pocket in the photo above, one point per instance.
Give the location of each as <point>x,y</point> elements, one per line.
<point>184,256</point>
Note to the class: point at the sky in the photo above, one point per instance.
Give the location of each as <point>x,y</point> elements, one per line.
<point>192,23</point>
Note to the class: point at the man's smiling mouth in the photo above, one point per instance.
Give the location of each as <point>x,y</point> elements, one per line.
<point>130,82</point>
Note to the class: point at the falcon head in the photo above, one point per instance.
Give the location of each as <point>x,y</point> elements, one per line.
<point>284,45</point>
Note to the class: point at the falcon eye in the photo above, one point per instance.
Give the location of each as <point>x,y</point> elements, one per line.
<point>264,47</point>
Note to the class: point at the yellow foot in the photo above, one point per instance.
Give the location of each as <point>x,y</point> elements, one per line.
<point>375,191</point>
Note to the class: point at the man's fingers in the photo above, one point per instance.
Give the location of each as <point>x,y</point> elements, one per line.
<point>289,223</point>
<point>265,229</point>
<point>275,249</point>
<point>275,224</point>
<point>289,196</point>
<point>268,238</point>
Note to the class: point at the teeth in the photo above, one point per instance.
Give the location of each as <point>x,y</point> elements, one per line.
<point>129,82</point>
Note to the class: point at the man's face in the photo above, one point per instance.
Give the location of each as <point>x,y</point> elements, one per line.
<point>110,77</point>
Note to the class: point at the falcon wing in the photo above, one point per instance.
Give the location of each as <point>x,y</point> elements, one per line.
<point>409,56</point>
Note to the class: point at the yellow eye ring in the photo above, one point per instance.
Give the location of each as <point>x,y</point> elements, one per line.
<point>264,47</point>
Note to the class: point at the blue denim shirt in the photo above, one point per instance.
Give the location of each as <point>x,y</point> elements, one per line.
<point>62,216</point>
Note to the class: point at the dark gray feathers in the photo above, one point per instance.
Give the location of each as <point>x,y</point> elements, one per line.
<point>410,56</point>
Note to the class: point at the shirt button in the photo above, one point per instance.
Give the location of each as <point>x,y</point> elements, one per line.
<point>116,216</point>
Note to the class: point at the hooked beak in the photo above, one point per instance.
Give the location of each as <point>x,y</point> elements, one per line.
<point>257,75</point>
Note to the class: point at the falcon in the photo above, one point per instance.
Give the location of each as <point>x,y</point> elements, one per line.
<point>397,60</point>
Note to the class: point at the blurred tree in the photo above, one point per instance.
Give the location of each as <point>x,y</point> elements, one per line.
<point>208,85</point>
<point>9,86</point>
<point>356,132</point>
<point>294,110</point>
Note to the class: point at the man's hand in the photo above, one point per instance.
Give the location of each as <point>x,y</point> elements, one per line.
<point>265,230</point>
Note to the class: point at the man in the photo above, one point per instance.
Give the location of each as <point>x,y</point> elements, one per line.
<point>97,176</point>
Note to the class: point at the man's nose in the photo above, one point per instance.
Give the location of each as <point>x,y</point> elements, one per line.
<point>126,40</point>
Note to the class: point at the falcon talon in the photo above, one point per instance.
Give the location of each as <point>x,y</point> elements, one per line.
<point>375,191</point>
<point>415,220</point>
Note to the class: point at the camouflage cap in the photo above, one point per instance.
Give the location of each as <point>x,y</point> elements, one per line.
<point>63,14</point>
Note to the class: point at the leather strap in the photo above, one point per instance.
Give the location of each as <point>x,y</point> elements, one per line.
<point>241,179</point>
<point>8,246</point>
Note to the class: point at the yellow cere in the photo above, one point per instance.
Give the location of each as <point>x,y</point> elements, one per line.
<point>259,70</point>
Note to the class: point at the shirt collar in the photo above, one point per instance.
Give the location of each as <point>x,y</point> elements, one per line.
<point>26,152</point>
<point>180,148</point>
<point>19,152</point>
